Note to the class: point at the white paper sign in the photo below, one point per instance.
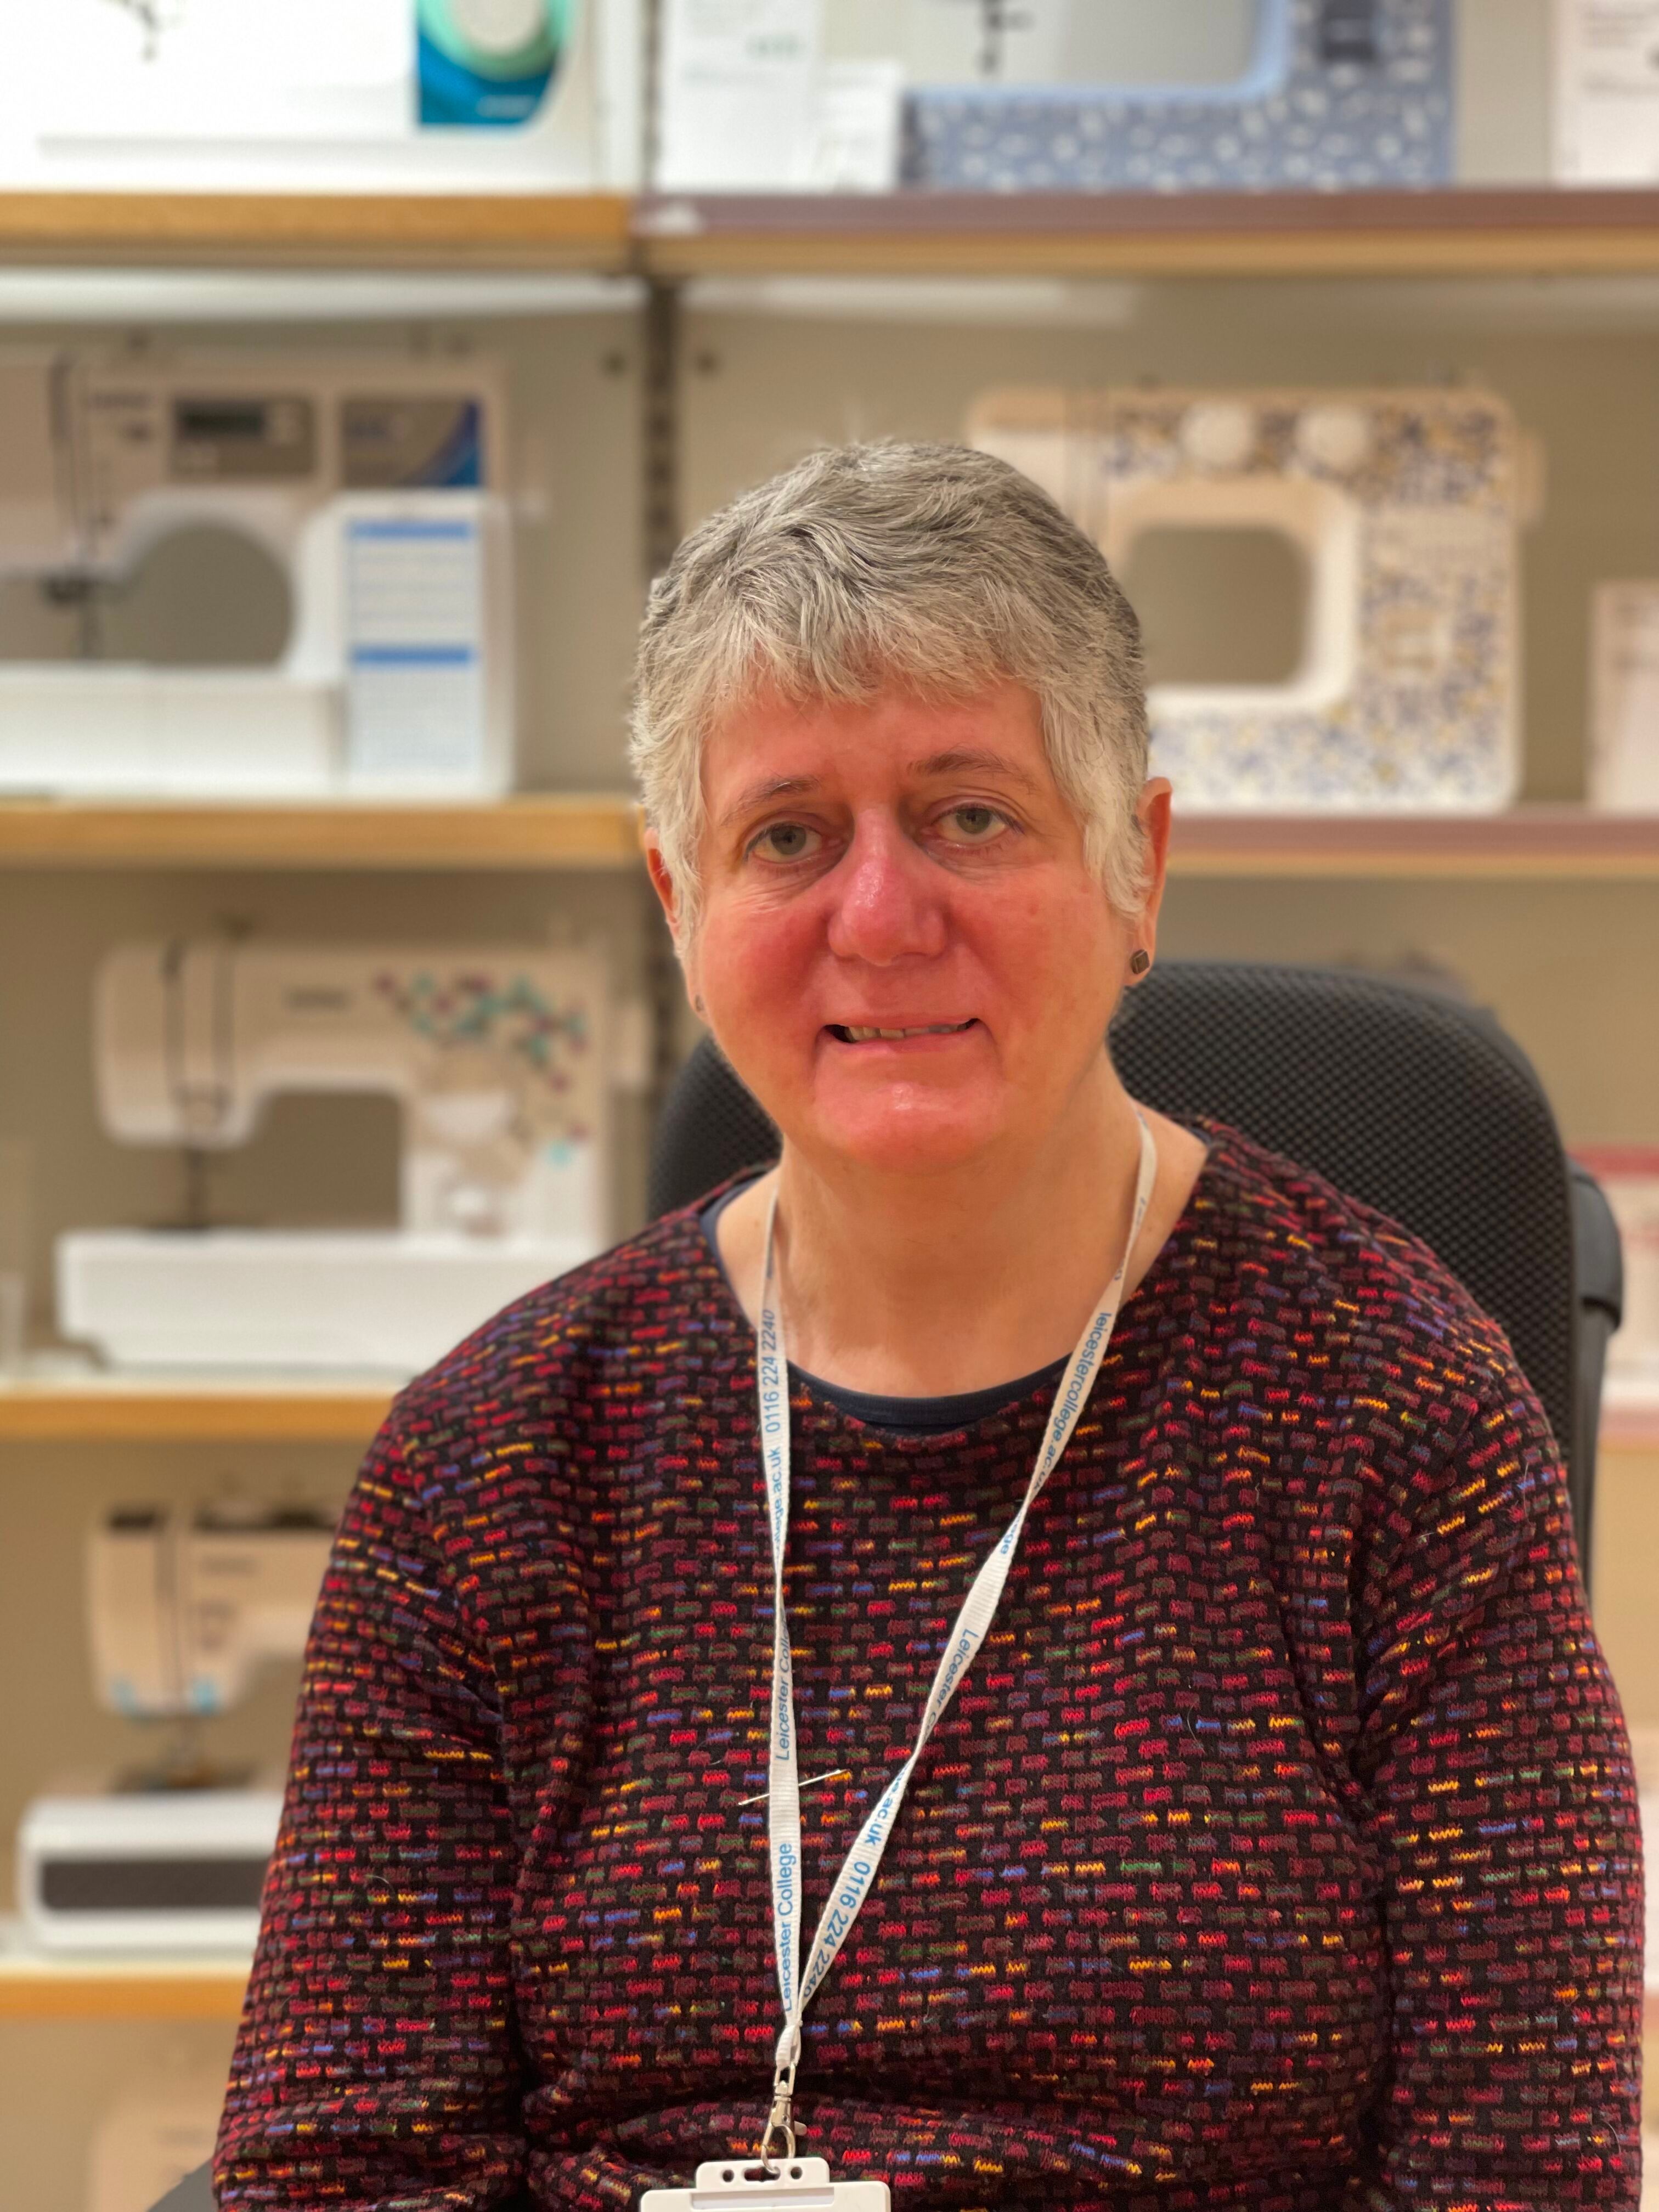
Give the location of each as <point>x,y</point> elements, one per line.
<point>740,93</point>
<point>860,110</point>
<point>1624,764</point>
<point>1607,92</point>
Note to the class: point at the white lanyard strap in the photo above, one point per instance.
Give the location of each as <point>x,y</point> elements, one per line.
<point>857,1870</point>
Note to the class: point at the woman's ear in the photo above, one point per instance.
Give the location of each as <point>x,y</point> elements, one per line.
<point>663,884</point>
<point>1153,810</point>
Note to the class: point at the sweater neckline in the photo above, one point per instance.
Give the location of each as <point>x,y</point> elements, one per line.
<point>829,1400</point>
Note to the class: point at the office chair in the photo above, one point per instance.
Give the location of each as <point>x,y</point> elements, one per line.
<point>1409,1100</point>
<point>1403,1097</point>
<point>193,2194</point>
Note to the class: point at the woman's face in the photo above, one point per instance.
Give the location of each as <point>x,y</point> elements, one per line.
<point>909,869</point>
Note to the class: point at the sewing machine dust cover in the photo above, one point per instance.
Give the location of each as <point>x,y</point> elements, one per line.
<point>1404,510</point>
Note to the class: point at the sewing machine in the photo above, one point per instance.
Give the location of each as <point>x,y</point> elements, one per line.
<point>1395,520</point>
<point>183,1614</point>
<point>225,576</point>
<point>501,1060</point>
<point>1312,93</point>
<point>378,95</point>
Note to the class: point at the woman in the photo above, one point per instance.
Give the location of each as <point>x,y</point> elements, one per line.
<point>1268,1839</point>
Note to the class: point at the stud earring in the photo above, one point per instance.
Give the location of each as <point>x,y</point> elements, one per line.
<point>1140,961</point>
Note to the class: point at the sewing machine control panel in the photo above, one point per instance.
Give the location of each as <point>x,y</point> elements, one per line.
<point>132,436</point>
<point>93,440</point>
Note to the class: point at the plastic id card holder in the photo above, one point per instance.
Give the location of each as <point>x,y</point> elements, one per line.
<point>795,2184</point>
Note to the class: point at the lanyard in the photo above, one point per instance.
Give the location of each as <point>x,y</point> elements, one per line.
<point>858,1871</point>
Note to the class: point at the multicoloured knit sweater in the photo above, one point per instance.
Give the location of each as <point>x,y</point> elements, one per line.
<point>1280,1852</point>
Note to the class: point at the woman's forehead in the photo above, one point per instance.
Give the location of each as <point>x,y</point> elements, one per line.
<point>895,737</point>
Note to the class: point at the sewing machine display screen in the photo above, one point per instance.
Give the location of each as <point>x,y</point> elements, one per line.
<point>244,440</point>
<point>1207,45</point>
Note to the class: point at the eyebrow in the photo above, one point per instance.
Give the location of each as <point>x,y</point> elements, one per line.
<point>760,794</point>
<point>961,761</point>
<point>971,761</point>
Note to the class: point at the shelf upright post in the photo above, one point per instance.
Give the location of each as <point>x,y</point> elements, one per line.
<point>661,399</point>
<point>660,438</point>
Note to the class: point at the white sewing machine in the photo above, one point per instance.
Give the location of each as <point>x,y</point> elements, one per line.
<point>222,576</point>
<point>183,1612</point>
<point>378,95</point>
<point>1393,518</point>
<point>501,1060</point>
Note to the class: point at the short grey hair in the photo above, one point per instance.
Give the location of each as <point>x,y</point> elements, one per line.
<point>931,568</point>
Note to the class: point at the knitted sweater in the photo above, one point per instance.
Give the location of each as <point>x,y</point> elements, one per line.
<point>1279,1854</point>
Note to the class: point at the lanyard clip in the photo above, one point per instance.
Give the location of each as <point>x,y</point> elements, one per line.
<point>780,2121</point>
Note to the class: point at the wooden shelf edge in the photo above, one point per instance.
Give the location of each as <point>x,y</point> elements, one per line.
<point>124,1409</point>
<point>532,830</point>
<point>116,1410</point>
<point>556,830</point>
<point>35,1988</point>
<point>1622,1439</point>
<point>1453,231</point>
<point>1629,1418</point>
<point>587,231</point>
<point>1529,843</point>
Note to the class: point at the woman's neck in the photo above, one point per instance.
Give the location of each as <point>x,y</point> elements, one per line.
<point>920,1286</point>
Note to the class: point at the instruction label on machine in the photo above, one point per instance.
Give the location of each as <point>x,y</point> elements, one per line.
<point>415,694</point>
<point>1607,92</point>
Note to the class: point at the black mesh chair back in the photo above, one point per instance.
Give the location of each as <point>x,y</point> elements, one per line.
<point>1412,1101</point>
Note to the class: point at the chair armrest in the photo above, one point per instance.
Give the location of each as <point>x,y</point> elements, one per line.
<point>1598,1256</point>
<point>1599,1271</point>
<point>193,2194</point>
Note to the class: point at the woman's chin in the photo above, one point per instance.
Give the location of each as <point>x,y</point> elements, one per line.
<point>904,1136</point>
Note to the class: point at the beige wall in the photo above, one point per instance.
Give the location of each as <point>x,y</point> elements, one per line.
<point>59,2079</point>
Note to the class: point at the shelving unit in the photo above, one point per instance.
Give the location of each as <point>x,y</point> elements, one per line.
<point>668,243</point>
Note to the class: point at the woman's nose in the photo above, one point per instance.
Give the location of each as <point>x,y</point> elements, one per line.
<point>885,906</point>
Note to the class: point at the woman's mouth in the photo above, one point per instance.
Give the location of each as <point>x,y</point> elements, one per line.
<point>855,1033</point>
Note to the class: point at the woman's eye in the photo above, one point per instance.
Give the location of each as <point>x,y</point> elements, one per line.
<point>786,841</point>
<point>973,825</point>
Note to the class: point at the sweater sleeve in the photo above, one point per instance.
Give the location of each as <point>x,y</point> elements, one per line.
<point>377,2062</point>
<point>1495,1757</point>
